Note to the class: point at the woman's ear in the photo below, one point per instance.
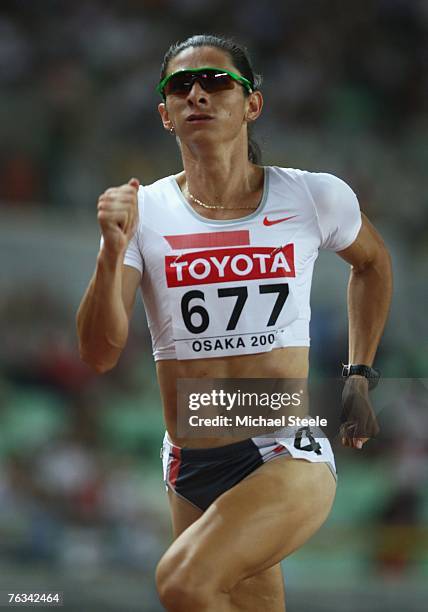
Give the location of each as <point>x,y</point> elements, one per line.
<point>254,106</point>
<point>166,122</point>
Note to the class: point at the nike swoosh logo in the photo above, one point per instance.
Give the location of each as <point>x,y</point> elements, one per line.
<point>268,222</point>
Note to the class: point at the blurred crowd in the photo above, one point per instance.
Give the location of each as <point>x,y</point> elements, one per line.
<point>345,84</point>
<point>346,91</point>
<point>80,475</point>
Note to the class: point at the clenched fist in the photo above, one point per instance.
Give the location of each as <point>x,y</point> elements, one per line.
<point>118,216</point>
<point>359,422</point>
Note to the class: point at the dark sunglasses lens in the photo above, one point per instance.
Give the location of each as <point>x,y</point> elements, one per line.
<point>211,81</point>
<point>179,84</point>
<point>216,81</point>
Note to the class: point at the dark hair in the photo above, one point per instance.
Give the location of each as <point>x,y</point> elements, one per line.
<point>239,58</point>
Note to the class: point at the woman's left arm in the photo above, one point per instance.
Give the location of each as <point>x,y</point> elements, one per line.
<point>369,292</point>
<point>369,298</point>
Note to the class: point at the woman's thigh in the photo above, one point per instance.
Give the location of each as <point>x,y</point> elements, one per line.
<point>254,525</point>
<point>263,591</point>
<point>183,513</point>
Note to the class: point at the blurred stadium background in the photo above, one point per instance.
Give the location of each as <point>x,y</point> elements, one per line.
<point>82,506</point>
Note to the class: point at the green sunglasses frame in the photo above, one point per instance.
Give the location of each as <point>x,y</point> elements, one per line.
<point>236,77</point>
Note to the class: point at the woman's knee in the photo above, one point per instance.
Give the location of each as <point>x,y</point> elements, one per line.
<point>263,591</point>
<point>180,584</point>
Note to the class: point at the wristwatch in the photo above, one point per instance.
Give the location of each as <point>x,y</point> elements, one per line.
<point>362,370</point>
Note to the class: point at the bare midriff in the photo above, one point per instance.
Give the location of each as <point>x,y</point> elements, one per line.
<point>289,362</point>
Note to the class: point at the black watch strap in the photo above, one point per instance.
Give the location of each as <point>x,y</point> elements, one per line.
<point>362,370</point>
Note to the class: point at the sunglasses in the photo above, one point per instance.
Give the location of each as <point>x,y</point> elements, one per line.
<point>210,79</point>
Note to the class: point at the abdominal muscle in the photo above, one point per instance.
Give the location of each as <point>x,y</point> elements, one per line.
<point>288,362</point>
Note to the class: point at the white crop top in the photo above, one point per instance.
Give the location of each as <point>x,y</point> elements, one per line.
<point>221,288</point>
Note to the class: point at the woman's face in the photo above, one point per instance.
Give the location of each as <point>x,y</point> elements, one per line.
<point>227,111</point>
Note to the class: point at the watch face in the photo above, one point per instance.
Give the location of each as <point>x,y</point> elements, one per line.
<point>360,370</point>
<point>371,374</point>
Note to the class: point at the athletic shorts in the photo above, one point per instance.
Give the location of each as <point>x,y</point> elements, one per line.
<point>200,475</point>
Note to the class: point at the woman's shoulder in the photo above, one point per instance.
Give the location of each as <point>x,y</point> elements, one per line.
<point>321,182</point>
<point>285,174</point>
<point>160,184</point>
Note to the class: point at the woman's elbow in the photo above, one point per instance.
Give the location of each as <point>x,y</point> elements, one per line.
<point>99,366</point>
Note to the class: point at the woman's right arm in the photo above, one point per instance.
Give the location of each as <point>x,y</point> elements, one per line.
<point>104,312</point>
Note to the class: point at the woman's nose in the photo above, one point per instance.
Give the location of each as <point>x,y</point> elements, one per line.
<point>197,93</point>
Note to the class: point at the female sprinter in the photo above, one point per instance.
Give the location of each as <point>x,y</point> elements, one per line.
<point>237,508</point>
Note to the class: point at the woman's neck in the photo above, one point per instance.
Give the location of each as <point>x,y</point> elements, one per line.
<point>223,178</point>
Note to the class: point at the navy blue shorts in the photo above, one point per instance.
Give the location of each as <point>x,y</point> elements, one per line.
<point>200,475</point>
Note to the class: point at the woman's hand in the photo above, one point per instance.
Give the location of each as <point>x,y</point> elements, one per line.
<point>359,422</point>
<point>118,216</point>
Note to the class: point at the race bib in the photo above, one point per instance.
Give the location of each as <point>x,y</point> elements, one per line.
<point>230,301</point>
